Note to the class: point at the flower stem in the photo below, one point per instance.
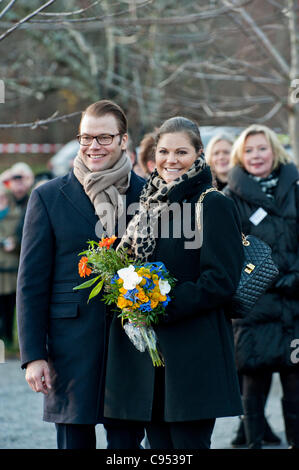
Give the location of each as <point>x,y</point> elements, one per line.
<point>151,342</point>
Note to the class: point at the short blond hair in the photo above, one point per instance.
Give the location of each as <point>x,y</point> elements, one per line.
<point>217,138</point>
<point>280,155</point>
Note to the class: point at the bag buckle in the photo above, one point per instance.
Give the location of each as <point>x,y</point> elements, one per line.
<point>249,268</point>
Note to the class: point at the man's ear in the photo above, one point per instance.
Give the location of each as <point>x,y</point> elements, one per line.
<point>124,141</point>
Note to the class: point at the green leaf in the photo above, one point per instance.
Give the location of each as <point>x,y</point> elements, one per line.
<point>96,290</point>
<point>88,283</point>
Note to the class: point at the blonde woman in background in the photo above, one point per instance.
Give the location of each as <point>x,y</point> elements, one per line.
<point>217,155</point>
<point>264,186</point>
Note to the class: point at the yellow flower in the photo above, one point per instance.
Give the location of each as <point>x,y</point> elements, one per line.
<point>154,304</point>
<point>122,302</point>
<point>122,290</point>
<point>142,296</point>
<point>156,296</point>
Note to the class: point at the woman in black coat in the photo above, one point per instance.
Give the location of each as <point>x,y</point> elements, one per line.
<point>264,186</point>
<point>179,402</point>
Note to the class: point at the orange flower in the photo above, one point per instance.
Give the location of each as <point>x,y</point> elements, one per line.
<point>107,242</point>
<point>84,270</point>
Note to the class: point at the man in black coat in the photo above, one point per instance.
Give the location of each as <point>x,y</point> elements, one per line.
<point>63,340</point>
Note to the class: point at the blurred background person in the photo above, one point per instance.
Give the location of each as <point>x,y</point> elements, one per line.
<point>9,258</point>
<point>264,185</point>
<point>146,154</point>
<point>217,156</point>
<point>20,182</point>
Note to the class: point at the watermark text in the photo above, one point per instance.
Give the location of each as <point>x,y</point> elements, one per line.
<point>156,221</point>
<point>295,353</point>
<point>295,93</point>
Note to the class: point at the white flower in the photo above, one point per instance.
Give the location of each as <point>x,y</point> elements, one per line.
<point>129,276</point>
<point>164,286</point>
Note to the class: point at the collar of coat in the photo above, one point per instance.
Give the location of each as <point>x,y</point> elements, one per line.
<point>75,194</point>
<point>246,188</point>
<point>191,187</point>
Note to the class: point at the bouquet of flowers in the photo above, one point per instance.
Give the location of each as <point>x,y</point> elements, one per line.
<point>139,291</point>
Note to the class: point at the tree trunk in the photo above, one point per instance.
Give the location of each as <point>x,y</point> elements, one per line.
<point>293,7</point>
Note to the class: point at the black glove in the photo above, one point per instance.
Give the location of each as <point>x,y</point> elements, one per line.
<point>288,284</point>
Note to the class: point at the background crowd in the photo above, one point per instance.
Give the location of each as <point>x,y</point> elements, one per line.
<point>259,175</point>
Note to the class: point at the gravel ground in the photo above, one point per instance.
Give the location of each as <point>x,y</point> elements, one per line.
<point>22,426</point>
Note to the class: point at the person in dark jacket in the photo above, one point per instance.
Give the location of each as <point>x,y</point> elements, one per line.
<point>63,339</point>
<point>264,186</point>
<point>179,402</point>
<point>9,259</point>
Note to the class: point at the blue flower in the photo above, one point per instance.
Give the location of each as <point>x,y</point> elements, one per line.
<point>114,279</point>
<point>145,307</point>
<point>166,302</point>
<point>149,284</point>
<point>131,295</point>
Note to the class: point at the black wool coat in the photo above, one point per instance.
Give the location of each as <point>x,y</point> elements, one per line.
<point>197,341</point>
<point>263,339</point>
<point>55,322</point>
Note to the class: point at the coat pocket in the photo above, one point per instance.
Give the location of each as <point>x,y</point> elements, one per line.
<point>64,310</point>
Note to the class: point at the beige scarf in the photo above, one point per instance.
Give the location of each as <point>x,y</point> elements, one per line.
<point>104,188</point>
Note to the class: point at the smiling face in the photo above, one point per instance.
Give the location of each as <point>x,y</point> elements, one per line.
<point>220,158</point>
<point>99,157</point>
<point>175,154</point>
<point>258,157</point>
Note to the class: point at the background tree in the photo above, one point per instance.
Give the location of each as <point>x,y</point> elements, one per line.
<point>223,62</point>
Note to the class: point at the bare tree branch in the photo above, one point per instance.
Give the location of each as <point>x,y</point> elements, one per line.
<point>277,107</point>
<point>260,34</point>
<point>96,23</point>
<point>8,7</point>
<point>25,19</point>
<point>76,12</point>
<point>41,122</point>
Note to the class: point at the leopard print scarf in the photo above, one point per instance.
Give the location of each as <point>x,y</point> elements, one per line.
<point>140,236</point>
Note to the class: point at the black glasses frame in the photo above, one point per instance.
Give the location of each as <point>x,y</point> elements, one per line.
<point>98,139</point>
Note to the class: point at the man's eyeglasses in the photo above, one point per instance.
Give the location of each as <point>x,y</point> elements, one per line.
<point>102,139</point>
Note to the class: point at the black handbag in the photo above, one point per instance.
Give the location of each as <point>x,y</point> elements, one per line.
<point>258,271</point>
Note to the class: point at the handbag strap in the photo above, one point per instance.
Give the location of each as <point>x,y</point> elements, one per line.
<point>198,211</point>
<point>198,207</point>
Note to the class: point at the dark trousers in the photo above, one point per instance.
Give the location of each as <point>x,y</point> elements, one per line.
<point>175,435</point>
<point>83,436</point>
<point>7,309</point>
<point>256,383</point>
<point>180,435</point>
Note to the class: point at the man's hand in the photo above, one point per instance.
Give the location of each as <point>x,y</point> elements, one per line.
<point>38,376</point>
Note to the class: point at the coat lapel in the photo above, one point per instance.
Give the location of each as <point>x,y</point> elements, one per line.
<point>75,194</point>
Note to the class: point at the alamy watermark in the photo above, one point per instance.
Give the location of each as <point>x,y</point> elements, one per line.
<point>158,220</point>
<point>295,353</point>
<point>2,351</point>
<point>295,94</point>
<point>2,92</point>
